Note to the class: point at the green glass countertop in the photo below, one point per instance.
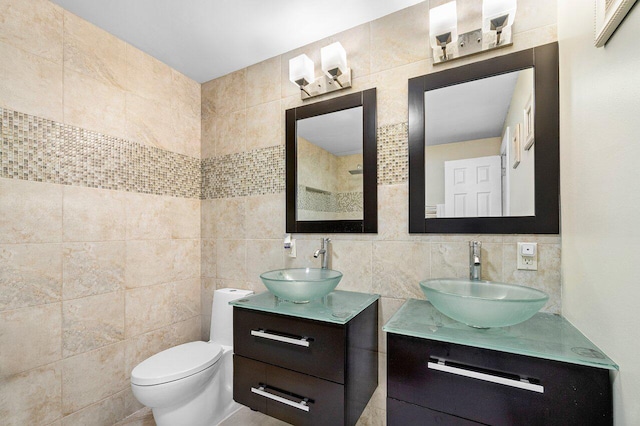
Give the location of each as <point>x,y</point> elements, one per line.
<point>546,336</point>
<point>338,307</point>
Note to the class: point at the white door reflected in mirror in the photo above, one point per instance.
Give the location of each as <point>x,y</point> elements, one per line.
<point>472,187</point>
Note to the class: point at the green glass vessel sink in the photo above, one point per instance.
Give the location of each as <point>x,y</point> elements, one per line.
<point>483,304</point>
<point>301,285</point>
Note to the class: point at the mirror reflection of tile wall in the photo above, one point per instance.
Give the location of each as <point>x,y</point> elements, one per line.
<point>326,188</point>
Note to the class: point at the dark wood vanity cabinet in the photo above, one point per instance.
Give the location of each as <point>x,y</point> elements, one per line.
<point>302,371</point>
<point>440,383</point>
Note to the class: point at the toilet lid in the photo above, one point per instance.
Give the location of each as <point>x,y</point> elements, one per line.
<point>176,363</point>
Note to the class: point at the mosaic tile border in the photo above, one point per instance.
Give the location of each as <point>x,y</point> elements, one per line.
<point>257,172</point>
<point>350,201</point>
<point>36,149</point>
<point>262,171</point>
<point>393,154</point>
<point>335,202</point>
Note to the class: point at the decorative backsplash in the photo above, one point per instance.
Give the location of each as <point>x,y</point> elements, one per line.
<point>393,154</point>
<point>36,149</point>
<point>257,172</point>
<point>262,171</point>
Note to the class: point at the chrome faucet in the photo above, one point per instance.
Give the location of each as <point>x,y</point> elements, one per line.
<point>475,261</point>
<point>324,251</point>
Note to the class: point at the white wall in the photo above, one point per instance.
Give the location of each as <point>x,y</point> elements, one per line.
<point>600,175</point>
<point>522,178</point>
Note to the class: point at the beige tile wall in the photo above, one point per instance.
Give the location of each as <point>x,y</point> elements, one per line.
<point>61,67</point>
<point>242,236</point>
<point>383,54</point>
<point>88,294</point>
<point>92,281</point>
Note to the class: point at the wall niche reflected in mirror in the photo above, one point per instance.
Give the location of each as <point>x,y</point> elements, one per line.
<point>484,146</point>
<point>331,159</point>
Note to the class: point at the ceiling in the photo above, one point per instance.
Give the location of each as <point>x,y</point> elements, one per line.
<point>469,111</point>
<point>205,39</point>
<point>340,133</point>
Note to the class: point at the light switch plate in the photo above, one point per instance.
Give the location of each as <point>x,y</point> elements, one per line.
<point>528,256</point>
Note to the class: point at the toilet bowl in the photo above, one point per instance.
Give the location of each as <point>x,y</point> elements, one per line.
<point>192,384</point>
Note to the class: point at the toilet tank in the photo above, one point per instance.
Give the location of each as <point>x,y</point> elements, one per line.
<point>221,331</point>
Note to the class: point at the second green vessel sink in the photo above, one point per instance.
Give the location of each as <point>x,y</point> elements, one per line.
<point>483,304</point>
<point>301,285</point>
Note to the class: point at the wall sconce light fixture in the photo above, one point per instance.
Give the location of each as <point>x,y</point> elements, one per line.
<point>497,18</point>
<point>443,27</point>
<point>336,73</point>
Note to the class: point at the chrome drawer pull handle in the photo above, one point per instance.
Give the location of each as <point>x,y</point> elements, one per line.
<point>302,405</point>
<point>520,384</point>
<point>303,341</point>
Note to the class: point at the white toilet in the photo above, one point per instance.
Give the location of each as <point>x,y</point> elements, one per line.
<point>192,384</point>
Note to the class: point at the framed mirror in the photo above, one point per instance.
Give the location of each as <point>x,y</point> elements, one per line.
<point>331,161</point>
<point>484,146</point>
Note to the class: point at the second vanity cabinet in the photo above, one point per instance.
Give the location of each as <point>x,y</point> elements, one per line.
<point>540,372</point>
<point>306,364</point>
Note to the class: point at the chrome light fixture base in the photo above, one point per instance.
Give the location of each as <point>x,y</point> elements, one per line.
<point>471,43</point>
<point>325,84</point>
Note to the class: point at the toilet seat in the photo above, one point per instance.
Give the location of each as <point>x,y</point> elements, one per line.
<point>176,363</point>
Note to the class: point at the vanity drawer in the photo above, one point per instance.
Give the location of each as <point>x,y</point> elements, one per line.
<point>400,413</point>
<point>485,386</point>
<point>280,393</point>
<point>301,345</point>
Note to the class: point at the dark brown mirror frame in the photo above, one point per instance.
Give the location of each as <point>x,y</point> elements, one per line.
<point>369,224</point>
<point>544,60</point>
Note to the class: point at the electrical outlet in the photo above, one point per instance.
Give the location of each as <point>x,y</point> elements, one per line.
<point>528,256</point>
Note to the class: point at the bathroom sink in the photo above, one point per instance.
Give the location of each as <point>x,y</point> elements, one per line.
<point>483,304</point>
<point>301,285</point>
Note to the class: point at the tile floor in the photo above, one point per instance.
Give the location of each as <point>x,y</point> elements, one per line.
<point>244,417</point>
